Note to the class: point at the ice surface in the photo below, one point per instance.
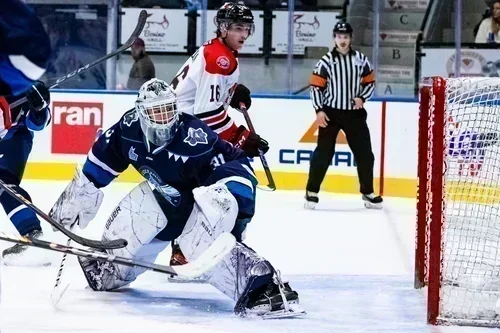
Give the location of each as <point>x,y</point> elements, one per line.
<point>352,267</point>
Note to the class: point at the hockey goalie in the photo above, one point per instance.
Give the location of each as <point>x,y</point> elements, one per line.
<point>198,186</point>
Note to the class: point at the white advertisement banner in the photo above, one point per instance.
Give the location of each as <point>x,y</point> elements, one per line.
<point>473,62</point>
<point>78,118</point>
<point>407,4</point>
<point>290,150</point>
<point>253,45</point>
<point>310,29</point>
<point>165,29</point>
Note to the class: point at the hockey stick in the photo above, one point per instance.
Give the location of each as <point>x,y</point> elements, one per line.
<point>137,31</point>
<point>301,90</point>
<point>221,247</point>
<point>271,186</point>
<point>58,291</point>
<point>111,244</point>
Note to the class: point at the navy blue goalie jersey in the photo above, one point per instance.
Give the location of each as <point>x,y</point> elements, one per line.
<point>194,157</point>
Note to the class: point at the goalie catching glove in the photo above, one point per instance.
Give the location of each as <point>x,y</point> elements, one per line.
<point>79,202</point>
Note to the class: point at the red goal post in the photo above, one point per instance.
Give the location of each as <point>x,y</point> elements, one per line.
<point>457,252</point>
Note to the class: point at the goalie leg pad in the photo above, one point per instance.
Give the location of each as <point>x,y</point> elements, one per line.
<point>242,272</point>
<point>106,276</point>
<point>138,218</point>
<point>215,211</point>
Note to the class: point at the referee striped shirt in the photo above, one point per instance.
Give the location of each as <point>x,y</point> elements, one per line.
<point>337,79</point>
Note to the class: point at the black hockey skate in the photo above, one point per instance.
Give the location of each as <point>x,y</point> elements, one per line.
<point>274,301</point>
<point>311,200</point>
<point>19,255</point>
<point>371,201</point>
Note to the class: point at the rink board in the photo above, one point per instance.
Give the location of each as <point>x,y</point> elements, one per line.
<point>288,125</point>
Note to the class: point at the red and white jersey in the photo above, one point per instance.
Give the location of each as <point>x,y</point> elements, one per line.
<point>5,120</point>
<point>205,83</point>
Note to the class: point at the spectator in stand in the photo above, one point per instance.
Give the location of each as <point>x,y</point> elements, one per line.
<point>143,68</point>
<point>489,28</point>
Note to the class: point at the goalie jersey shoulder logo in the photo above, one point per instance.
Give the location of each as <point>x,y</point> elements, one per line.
<point>196,136</point>
<point>130,117</point>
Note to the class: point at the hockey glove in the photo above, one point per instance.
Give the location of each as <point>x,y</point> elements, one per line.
<point>249,142</point>
<point>241,95</point>
<point>38,96</point>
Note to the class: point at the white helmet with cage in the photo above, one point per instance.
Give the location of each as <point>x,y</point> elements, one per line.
<point>156,105</point>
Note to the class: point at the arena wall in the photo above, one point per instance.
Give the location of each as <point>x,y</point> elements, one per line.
<point>287,123</point>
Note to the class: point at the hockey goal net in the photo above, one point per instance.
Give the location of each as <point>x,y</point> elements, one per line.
<point>458,201</point>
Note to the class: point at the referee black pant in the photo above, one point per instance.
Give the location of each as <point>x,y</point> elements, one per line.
<point>353,123</point>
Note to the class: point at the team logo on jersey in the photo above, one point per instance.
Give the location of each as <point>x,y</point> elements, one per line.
<point>196,136</point>
<point>132,155</point>
<point>170,193</point>
<point>223,62</point>
<point>130,118</point>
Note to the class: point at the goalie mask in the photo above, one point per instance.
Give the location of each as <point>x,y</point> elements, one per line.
<point>156,105</point>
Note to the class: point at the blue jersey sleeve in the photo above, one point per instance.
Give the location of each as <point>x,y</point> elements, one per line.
<point>105,160</point>
<point>24,47</point>
<point>230,152</point>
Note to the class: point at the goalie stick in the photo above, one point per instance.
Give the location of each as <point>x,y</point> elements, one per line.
<point>271,186</point>
<point>137,31</point>
<point>221,247</point>
<point>111,244</point>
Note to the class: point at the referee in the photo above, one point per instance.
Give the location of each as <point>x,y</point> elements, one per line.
<point>340,84</point>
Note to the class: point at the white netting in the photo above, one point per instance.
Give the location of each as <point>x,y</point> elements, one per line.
<point>470,276</point>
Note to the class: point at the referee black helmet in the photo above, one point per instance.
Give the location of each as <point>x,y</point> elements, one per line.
<point>342,28</point>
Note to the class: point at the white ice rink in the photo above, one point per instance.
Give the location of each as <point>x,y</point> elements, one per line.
<point>352,267</point>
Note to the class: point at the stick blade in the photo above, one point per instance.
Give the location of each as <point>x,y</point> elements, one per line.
<point>57,294</point>
<point>267,188</point>
<point>141,22</point>
<point>221,247</point>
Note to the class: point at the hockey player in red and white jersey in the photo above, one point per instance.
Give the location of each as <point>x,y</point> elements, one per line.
<point>207,84</point>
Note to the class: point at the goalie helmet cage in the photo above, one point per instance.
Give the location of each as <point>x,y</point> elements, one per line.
<point>457,250</point>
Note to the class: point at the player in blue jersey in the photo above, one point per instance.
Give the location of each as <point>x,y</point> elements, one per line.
<point>24,53</point>
<point>197,187</point>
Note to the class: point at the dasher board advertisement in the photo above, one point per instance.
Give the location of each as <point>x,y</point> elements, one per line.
<point>310,29</point>
<point>473,62</point>
<point>165,29</point>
